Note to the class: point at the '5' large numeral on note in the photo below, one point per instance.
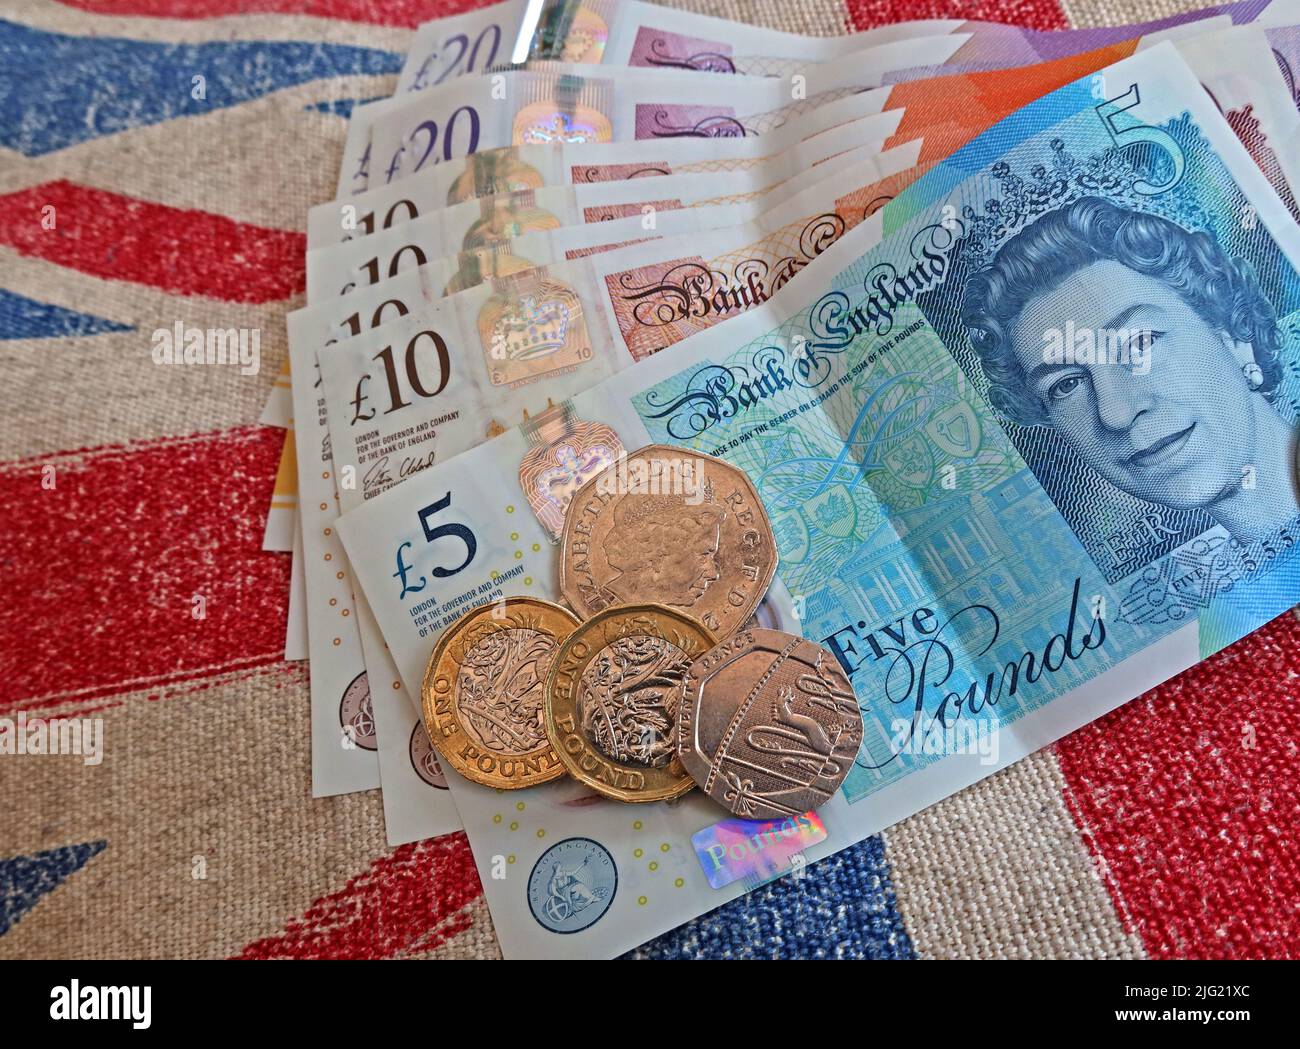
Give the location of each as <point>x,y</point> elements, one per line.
<point>446,531</point>
<point>432,533</point>
<point>1111,114</point>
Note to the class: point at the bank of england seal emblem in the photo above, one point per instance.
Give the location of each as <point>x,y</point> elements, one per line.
<point>572,885</point>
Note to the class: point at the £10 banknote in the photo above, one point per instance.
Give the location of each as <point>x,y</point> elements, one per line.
<point>516,169</point>
<point>563,211</point>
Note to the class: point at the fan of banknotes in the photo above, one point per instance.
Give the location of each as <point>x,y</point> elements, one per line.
<point>821,423</point>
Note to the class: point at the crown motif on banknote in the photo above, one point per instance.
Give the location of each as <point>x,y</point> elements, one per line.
<point>560,127</point>
<point>1113,174</point>
<point>531,326</point>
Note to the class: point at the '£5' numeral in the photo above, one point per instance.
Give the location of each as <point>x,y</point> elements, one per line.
<point>432,533</point>
<point>458,532</point>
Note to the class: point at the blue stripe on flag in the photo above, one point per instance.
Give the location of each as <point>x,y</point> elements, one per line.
<point>25,879</point>
<point>24,318</point>
<point>57,90</point>
<point>342,107</point>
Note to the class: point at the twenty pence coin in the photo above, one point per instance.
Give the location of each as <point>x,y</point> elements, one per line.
<point>769,725</point>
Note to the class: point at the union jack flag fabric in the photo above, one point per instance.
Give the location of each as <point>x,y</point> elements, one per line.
<point>157,160</point>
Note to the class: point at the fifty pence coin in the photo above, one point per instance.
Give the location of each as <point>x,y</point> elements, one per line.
<point>613,697</point>
<point>484,689</point>
<point>769,725</point>
<point>673,527</point>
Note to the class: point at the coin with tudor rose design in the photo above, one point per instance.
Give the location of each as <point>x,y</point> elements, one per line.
<point>484,690</point>
<point>672,527</point>
<point>613,697</point>
<point>769,725</point>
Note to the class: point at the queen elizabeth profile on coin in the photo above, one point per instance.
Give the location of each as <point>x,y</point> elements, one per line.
<point>1172,399</point>
<point>672,527</point>
<point>661,542</point>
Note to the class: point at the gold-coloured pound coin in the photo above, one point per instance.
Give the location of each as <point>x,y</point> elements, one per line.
<point>484,692</point>
<point>613,696</point>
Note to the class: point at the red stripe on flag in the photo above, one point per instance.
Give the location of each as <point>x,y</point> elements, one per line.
<point>408,902</point>
<point>179,250</point>
<point>375,12</point>
<point>102,570</point>
<point>1032,14</point>
<point>1187,796</point>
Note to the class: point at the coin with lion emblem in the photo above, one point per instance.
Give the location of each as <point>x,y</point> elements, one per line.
<point>613,697</point>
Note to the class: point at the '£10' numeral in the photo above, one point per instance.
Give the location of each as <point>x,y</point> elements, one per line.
<point>396,398</point>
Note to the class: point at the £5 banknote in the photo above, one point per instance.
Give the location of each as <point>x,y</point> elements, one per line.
<point>1001,527</point>
<point>433,377</point>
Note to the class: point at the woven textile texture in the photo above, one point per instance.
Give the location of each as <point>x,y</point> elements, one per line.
<point>1167,829</point>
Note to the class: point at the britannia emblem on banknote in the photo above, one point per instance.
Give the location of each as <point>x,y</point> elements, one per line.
<point>357,716</point>
<point>424,759</point>
<point>572,885</point>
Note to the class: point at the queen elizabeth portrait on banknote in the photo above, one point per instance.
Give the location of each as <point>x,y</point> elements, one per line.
<point>1153,353</point>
